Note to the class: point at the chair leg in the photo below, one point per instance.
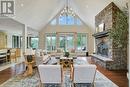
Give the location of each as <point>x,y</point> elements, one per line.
<point>74,85</point>
<point>93,85</point>
<point>41,85</point>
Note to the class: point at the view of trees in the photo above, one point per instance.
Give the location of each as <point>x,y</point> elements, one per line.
<point>34,42</point>
<point>66,42</point>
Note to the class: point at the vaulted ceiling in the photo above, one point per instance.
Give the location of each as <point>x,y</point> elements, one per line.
<point>37,13</point>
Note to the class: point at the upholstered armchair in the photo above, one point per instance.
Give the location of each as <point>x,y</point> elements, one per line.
<point>83,74</point>
<point>50,74</point>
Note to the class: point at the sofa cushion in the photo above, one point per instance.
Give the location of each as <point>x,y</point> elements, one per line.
<point>46,58</point>
<point>59,50</point>
<point>72,51</point>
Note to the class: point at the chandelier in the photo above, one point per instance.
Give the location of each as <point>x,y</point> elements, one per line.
<point>67,10</point>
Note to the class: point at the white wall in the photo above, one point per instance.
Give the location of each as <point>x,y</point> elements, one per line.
<point>9,40</point>
<point>77,29</point>
<point>12,27</point>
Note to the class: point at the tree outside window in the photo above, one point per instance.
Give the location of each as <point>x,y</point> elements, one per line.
<point>34,42</point>
<point>81,42</point>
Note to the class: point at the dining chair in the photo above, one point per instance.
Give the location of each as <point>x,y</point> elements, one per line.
<point>50,75</point>
<point>29,62</point>
<point>83,74</point>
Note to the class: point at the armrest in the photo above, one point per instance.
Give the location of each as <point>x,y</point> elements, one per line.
<point>62,75</point>
<point>71,72</point>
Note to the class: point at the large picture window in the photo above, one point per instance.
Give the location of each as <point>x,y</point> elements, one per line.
<point>16,41</point>
<point>66,41</point>
<point>81,42</point>
<point>51,42</point>
<point>34,42</point>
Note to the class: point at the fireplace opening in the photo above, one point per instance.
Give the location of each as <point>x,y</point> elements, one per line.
<point>102,49</point>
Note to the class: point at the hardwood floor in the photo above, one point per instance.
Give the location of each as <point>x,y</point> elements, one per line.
<point>118,77</point>
<point>10,72</point>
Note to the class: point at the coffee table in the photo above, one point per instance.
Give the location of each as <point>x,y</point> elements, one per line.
<point>66,62</point>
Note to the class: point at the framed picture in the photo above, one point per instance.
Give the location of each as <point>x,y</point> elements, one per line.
<point>101,27</point>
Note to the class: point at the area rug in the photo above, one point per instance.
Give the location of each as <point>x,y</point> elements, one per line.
<point>34,81</point>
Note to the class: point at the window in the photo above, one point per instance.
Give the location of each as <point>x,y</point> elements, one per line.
<point>62,42</point>
<point>53,22</point>
<point>70,20</point>
<point>34,42</point>
<point>66,20</point>
<point>78,21</point>
<point>16,41</point>
<point>70,41</point>
<point>66,41</point>
<point>51,42</point>
<point>62,20</point>
<point>81,42</point>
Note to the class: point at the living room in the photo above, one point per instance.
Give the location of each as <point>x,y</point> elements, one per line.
<point>65,33</point>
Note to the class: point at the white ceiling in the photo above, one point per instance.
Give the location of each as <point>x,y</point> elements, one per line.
<point>37,13</point>
<point>11,26</point>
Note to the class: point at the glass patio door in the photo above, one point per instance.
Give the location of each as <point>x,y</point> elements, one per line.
<point>62,40</point>
<point>70,41</point>
<point>66,41</point>
<point>51,42</point>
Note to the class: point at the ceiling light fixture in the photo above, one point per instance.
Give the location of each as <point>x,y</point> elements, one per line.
<point>67,10</point>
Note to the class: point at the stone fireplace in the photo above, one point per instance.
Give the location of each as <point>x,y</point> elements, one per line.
<point>106,54</point>
<point>102,47</point>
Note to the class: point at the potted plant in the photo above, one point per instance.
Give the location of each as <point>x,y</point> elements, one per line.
<point>119,32</point>
<point>66,54</point>
<point>119,35</point>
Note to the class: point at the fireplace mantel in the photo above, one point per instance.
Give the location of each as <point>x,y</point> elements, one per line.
<point>101,34</point>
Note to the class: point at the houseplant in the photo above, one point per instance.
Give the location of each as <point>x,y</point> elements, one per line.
<point>66,54</point>
<point>119,32</point>
<point>119,36</point>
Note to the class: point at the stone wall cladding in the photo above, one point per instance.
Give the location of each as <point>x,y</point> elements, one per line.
<point>107,16</point>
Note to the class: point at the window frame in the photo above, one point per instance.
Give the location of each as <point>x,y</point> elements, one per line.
<point>51,35</point>
<point>16,41</point>
<point>82,44</point>
<point>31,42</point>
